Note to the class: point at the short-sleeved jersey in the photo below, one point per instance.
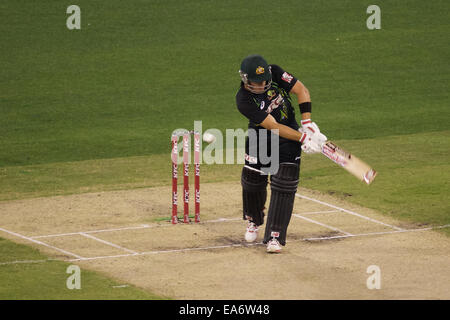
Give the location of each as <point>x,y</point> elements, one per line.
<point>275,101</point>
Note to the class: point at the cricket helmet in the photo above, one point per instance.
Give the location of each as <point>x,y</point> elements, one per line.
<point>256,70</point>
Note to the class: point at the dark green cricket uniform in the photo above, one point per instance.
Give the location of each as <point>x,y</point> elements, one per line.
<point>284,173</point>
<point>276,102</point>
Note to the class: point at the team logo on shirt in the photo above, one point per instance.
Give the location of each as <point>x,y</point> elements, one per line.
<point>259,70</point>
<point>271,94</point>
<point>287,77</point>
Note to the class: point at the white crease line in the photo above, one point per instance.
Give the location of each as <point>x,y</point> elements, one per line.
<point>219,220</point>
<point>322,224</point>
<point>203,248</point>
<point>255,244</point>
<point>377,233</point>
<point>223,220</point>
<point>42,243</point>
<point>318,212</point>
<point>105,257</point>
<point>348,211</point>
<point>108,243</point>
<point>244,245</point>
<point>167,251</point>
<point>56,235</point>
<point>91,231</point>
<point>145,226</point>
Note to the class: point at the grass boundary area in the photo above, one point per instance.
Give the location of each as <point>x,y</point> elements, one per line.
<point>26,274</point>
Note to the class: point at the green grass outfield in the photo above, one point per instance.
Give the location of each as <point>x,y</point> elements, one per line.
<point>93,109</point>
<point>26,274</point>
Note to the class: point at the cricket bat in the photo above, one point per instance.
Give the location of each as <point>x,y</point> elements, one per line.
<point>349,162</point>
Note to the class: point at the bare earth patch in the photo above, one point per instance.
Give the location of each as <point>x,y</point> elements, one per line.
<point>331,243</point>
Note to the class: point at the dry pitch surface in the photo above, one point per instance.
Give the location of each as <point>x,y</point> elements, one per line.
<point>330,246</point>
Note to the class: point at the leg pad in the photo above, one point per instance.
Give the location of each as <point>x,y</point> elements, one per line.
<point>283,186</point>
<point>254,194</point>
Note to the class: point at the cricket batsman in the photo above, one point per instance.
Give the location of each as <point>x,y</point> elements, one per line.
<point>264,99</point>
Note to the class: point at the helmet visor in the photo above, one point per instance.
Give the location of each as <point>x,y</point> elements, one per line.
<point>258,87</point>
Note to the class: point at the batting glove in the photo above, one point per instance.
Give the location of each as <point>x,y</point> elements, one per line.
<point>312,127</point>
<point>309,143</point>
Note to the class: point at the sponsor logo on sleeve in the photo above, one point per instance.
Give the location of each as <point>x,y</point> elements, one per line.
<point>287,77</point>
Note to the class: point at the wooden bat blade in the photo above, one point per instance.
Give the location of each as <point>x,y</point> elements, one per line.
<point>349,162</point>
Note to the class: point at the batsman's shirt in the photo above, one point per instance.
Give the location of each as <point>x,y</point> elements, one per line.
<point>275,101</point>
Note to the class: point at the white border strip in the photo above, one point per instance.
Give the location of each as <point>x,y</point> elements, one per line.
<point>348,211</point>
<point>108,243</point>
<point>322,224</point>
<point>42,243</point>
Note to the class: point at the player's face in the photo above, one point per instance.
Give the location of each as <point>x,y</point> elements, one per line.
<point>257,87</point>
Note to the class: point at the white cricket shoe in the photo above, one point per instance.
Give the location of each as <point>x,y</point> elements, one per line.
<point>252,232</point>
<point>273,246</point>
